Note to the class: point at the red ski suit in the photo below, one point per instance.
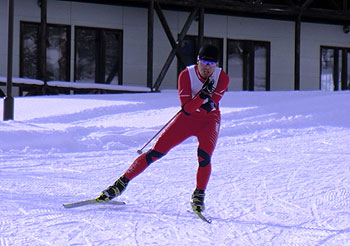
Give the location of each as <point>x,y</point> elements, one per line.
<point>193,120</point>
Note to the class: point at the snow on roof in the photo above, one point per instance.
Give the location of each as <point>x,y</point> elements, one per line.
<point>82,85</point>
<point>16,80</point>
<point>76,85</point>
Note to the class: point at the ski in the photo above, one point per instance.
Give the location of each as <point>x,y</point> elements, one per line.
<point>199,213</point>
<point>202,217</point>
<point>90,202</point>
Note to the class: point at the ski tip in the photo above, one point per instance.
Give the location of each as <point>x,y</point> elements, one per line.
<point>202,217</point>
<point>117,202</point>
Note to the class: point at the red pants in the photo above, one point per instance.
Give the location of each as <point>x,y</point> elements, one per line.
<point>204,126</point>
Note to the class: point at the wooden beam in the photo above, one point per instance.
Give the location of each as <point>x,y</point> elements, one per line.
<point>335,4</point>
<point>345,5</point>
<point>167,31</point>
<point>200,26</point>
<point>297,32</point>
<point>286,9</point>
<point>8,101</point>
<point>43,38</point>
<point>165,25</point>
<point>344,70</point>
<point>171,56</point>
<point>306,5</point>
<point>290,3</point>
<point>150,27</point>
<point>336,70</point>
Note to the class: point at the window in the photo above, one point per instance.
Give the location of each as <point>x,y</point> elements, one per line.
<point>189,51</point>
<point>335,68</point>
<point>98,55</point>
<point>57,51</point>
<point>248,65</point>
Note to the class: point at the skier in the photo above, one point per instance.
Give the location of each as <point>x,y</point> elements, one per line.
<point>200,88</point>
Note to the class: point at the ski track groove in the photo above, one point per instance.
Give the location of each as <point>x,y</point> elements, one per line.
<point>4,241</point>
<point>136,233</point>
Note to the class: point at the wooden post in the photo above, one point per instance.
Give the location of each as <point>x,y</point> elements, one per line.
<point>297,53</point>
<point>200,27</point>
<point>43,38</point>
<point>150,45</point>
<point>8,101</point>
<point>336,70</point>
<point>344,71</point>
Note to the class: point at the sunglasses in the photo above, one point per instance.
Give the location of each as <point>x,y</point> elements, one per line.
<point>205,62</point>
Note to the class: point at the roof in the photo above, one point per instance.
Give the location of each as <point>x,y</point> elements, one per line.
<point>319,11</point>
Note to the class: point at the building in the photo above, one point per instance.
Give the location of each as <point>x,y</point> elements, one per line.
<point>265,45</point>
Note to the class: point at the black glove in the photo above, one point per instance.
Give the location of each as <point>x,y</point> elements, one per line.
<point>209,106</point>
<point>207,88</point>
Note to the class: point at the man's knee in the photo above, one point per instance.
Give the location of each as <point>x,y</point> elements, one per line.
<point>153,155</point>
<point>203,158</point>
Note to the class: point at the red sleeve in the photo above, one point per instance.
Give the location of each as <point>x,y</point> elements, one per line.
<point>221,87</point>
<point>184,87</point>
<point>188,104</point>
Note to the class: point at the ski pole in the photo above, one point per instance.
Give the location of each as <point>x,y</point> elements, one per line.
<point>155,135</point>
<point>166,124</point>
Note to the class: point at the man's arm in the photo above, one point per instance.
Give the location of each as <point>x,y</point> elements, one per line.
<point>188,104</point>
<point>221,87</point>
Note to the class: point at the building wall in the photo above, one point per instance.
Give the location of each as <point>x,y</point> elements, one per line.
<point>133,22</point>
<point>314,36</point>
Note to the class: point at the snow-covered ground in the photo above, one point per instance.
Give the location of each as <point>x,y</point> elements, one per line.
<point>281,171</point>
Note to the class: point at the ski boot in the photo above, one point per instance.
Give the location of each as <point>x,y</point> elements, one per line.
<point>112,191</point>
<point>197,201</point>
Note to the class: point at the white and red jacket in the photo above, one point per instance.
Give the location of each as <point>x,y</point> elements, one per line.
<point>190,83</point>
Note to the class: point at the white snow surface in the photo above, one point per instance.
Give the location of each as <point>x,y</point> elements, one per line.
<point>280,176</point>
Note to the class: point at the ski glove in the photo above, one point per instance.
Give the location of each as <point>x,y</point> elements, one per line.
<point>209,106</point>
<point>207,88</point>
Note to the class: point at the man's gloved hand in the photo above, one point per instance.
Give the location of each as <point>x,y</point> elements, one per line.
<point>209,106</point>
<point>207,89</point>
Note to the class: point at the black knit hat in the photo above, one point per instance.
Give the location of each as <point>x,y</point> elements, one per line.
<point>209,52</point>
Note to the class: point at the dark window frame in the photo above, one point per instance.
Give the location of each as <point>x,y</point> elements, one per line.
<point>67,52</point>
<point>248,74</point>
<point>100,53</point>
<point>345,71</point>
<point>21,47</point>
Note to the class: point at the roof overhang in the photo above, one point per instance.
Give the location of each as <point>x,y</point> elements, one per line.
<point>328,11</point>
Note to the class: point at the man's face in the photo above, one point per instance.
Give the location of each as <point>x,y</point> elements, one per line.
<point>206,68</point>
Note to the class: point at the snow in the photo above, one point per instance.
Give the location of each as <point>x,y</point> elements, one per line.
<point>16,80</point>
<point>281,173</point>
<point>86,85</point>
<point>76,85</point>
